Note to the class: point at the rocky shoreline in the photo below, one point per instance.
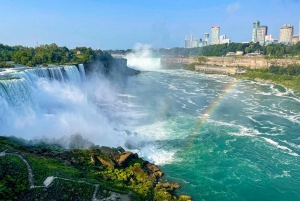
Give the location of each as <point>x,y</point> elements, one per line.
<point>97,173</point>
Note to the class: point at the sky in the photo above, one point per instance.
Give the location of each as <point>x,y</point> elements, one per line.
<point>119,24</point>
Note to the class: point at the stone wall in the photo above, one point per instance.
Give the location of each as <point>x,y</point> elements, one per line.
<point>216,70</point>
<point>248,62</point>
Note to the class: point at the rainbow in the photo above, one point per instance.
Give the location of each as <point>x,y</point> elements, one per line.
<point>214,104</point>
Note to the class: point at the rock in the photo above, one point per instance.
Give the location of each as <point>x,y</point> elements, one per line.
<point>125,158</point>
<point>106,161</point>
<point>77,142</point>
<point>154,171</point>
<point>120,149</point>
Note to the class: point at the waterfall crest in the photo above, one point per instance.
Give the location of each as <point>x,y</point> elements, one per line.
<point>15,87</point>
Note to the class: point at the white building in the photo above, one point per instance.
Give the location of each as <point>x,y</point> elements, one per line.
<point>286,33</point>
<point>215,35</point>
<point>224,40</point>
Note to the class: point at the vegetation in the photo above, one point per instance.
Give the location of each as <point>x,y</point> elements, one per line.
<point>289,76</point>
<point>77,172</point>
<point>271,51</point>
<point>50,54</point>
<point>6,65</point>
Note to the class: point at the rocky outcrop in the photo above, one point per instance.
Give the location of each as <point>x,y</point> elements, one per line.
<point>153,170</point>
<point>106,161</point>
<point>125,158</point>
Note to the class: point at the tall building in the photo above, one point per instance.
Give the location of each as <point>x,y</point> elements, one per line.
<point>215,34</point>
<point>295,39</point>
<point>262,31</point>
<point>259,32</point>
<point>224,40</point>
<point>286,33</point>
<point>256,24</point>
<point>188,41</point>
<point>206,35</point>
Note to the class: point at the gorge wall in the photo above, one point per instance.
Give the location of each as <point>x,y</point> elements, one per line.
<point>248,62</point>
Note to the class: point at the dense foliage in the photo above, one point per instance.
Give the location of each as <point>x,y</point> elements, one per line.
<point>77,172</point>
<point>289,76</point>
<point>50,54</point>
<point>273,51</point>
<point>6,65</point>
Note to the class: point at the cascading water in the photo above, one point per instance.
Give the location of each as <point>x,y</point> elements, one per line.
<point>15,88</point>
<point>17,92</point>
<point>82,71</point>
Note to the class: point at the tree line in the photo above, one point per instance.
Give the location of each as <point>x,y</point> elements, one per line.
<point>273,50</point>
<point>50,54</point>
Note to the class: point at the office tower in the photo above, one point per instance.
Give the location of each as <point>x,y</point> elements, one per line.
<point>224,40</point>
<point>206,37</point>
<point>259,33</point>
<point>286,33</point>
<point>262,31</point>
<point>188,41</point>
<point>256,24</point>
<point>215,34</point>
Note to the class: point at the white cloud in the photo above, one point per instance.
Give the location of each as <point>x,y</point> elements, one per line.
<point>233,7</point>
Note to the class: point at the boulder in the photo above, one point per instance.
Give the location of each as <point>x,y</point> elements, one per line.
<point>125,158</point>
<point>105,161</point>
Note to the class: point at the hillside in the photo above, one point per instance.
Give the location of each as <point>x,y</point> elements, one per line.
<point>39,171</point>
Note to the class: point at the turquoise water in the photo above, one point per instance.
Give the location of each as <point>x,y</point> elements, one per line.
<point>218,137</point>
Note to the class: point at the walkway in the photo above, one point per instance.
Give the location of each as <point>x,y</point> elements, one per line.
<point>48,181</point>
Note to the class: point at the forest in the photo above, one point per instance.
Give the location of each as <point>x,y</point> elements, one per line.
<point>273,50</point>
<point>49,54</point>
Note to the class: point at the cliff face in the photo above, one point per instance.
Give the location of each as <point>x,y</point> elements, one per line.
<point>115,68</point>
<point>248,62</point>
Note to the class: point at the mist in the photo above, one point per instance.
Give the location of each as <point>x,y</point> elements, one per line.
<point>142,59</point>
<point>62,109</point>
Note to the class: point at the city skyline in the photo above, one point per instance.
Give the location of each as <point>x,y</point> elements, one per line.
<point>119,25</point>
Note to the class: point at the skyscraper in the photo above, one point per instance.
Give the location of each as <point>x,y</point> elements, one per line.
<point>215,34</point>
<point>259,32</point>
<point>206,37</point>
<point>256,24</point>
<point>286,33</point>
<point>188,41</point>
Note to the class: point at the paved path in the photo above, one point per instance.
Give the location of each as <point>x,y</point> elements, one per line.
<point>50,179</point>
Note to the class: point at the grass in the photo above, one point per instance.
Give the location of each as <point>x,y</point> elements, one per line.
<point>291,82</point>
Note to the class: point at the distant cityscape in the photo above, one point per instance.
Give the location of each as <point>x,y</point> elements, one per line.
<point>259,34</point>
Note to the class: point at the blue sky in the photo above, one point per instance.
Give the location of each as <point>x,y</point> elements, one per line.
<point>119,24</point>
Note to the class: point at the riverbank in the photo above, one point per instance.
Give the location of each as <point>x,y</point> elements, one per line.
<point>47,171</point>
<point>291,82</point>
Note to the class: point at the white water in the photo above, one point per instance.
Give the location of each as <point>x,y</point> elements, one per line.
<point>142,59</point>
<point>58,101</point>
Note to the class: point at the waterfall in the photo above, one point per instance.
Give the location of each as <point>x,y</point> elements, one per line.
<point>82,71</point>
<point>18,93</point>
<point>15,87</point>
<point>72,74</point>
<point>56,73</point>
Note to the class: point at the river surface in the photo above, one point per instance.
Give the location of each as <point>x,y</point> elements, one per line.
<point>220,138</point>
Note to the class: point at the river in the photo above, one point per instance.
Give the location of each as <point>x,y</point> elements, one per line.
<point>220,138</point>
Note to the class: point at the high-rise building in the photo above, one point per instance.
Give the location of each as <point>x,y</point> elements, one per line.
<point>286,33</point>
<point>188,41</point>
<point>206,35</point>
<point>262,31</point>
<point>256,24</point>
<point>215,34</point>
<point>224,40</point>
<point>295,39</point>
<point>259,32</point>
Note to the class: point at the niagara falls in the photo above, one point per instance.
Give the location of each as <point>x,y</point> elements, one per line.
<point>150,100</point>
